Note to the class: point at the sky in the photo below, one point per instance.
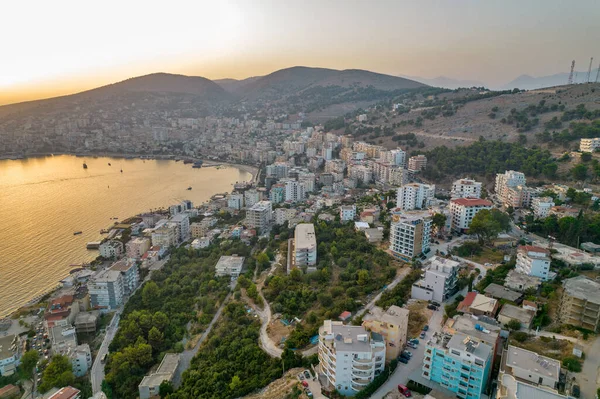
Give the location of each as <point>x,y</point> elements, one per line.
<point>59,47</point>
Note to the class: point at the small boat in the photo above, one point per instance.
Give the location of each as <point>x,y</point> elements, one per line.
<point>197,164</point>
<point>84,165</point>
<point>189,188</point>
<point>77,233</point>
<point>187,161</point>
<point>121,170</point>
<point>109,164</point>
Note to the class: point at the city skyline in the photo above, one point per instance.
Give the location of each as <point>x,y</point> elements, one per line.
<point>66,52</point>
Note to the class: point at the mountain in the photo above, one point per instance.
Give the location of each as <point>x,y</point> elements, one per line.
<point>527,82</point>
<point>234,85</point>
<point>446,82</point>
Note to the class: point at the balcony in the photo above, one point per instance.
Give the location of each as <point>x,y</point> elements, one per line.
<point>361,381</point>
<point>361,374</point>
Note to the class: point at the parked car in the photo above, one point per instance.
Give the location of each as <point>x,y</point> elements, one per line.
<point>404,391</point>
<point>307,374</point>
<point>301,377</point>
<point>575,391</point>
<point>432,307</point>
<point>304,383</point>
<point>407,353</point>
<point>415,341</point>
<point>436,304</point>
<point>404,356</point>
<point>426,328</point>
<point>308,393</point>
<point>403,360</point>
<point>422,335</point>
<point>411,345</point>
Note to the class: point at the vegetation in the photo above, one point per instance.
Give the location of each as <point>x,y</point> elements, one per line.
<point>58,374</point>
<point>572,364</point>
<point>496,275</point>
<point>401,292</point>
<point>452,308</point>
<point>568,230</point>
<point>488,223</point>
<point>468,248</point>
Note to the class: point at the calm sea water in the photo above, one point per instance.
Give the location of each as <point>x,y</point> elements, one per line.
<point>44,200</point>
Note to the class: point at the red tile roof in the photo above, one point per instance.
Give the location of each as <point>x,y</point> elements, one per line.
<point>467,302</point>
<point>345,315</point>
<point>471,202</point>
<point>66,393</point>
<point>533,248</point>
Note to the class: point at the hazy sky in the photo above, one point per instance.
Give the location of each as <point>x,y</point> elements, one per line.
<point>62,46</point>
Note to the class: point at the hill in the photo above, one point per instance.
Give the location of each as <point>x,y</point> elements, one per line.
<point>527,82</point>
<point>446,82</point>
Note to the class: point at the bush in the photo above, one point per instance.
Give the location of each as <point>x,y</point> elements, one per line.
<point>572,364</point>
<point>418,388</point>
<point>520,336</point>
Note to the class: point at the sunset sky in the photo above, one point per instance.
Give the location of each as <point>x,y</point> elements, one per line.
<point>64,46</point>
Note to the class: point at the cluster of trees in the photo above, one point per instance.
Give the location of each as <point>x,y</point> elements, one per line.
<point>568,230</point>
<point>59,373</point>
<point>401,292</point>
<point>496,275</point>
<point>488,158</point>
<point>488,223</point>
<point>155,318</point>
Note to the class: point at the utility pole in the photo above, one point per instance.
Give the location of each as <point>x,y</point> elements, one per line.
<point>570,81</point>
<point>587,80</point>
<point>597,73</point>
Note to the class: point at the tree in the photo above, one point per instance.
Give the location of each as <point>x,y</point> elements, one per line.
<point>165,388</point>
<point>150,294</point>
<point>363,277</point>
<point>439,221</point>
<point>58,374</point>
<point>156,339</point>
<point>28,362</point>
<point>487,224</point>
<point>514,325</point>
<point>579,172</point>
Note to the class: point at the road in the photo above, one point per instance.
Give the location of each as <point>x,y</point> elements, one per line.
<point>97,373</point>
<point>399,277</point>
<point>589,378</point>
<point>404,371</point>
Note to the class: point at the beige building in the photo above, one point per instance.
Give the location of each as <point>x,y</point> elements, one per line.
<point>580,303</point>
<point>392,325</point>
<point>150,385</point>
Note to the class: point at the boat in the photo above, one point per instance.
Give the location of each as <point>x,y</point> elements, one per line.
<point>186,161</point>
<point>109,164</point>
<point>77,233</point>
<point>84,165</point>
<point>104,231</point>
<point>121,170</point>
<point>197,164</point>
<point>189,188</point>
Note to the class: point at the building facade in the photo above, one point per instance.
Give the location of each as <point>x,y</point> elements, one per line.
<point>580,303</point>
<point>347,213</point>
<point>541,206</point>
<point>111,249</point>
<point>106,290</point>
<point>439,282</point>
<point>260,216</point>
<point>417,163</point>
<point>305,246</point>
<point>137,247</point>
<point>392,325</point>
<point>410,235</point>
<point>414,196</point>
<point>533,261</point>
<point>466,188</point>
<point>589,145</point>
<point>463,210</point>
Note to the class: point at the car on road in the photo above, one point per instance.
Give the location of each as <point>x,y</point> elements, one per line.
<point>426,328</point>
<point>304,383</point>
<point>407,353</point>
<point>403,360</point>
<point>404,391</point>
<point>307,374</point>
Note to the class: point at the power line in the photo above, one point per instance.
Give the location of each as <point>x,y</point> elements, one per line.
<point>570,81</point>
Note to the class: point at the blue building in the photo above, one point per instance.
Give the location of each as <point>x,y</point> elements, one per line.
<point>458,363</point>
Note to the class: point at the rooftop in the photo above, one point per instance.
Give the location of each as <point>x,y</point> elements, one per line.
<point>5,344</point>
<point>531,361</point>
<point>230,262</point>
<point>66,393</point>
<point>498,291</point>
<point>442,266</point>
<point>122,265</point>
<point>465,343</point>
<point>305,235</point>
<point>486,332</point>
<point>533,248</point>
<point>394,315</point>
<point>514,312</point>
<point>583,288</point>
<point>347,338</point>
<point>516,278</point>
<point>261,206</point>
<point>471,202</point>
<point>165,371</point>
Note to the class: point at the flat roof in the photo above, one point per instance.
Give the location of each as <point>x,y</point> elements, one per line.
<point>471,202</point>
<point>122,265</point>
<point>345,338</point>
<point>65,393</point>
<point>169,363</point>
<point>514,312</point>
<point>5,344</point>
<point>466,324</point>
<point>462,341</point>
<point>499,291</point>
<point>533,362</point>
<point>583,288</point>
<point>393,315</point>
<point>305,235</point>
<point>107,275</point>
<point>230,262</point>
<point>442,266</point>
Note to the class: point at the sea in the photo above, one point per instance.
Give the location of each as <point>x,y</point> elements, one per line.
<point>44,200</point>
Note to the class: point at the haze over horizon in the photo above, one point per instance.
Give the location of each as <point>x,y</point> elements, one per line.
<point>63,51</point>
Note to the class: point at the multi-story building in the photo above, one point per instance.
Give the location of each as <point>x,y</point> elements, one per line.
<point>410,234</point>
<point>229,266</point>
<point>463,210</point>
<point>589,145</point>
<point>541,206</point>
<point>580,303</point>
<point>466,188</point>
<point>164,236</point>
<point>251,197</point>
<point>392,325</point>
<point>129,271</point>
<point>137,247</point>
<point>278,170</point>
<point>106,290</point>
<point>347,213</point>
<point>395,157</point>
<point>81,359</point>
<point>294,191</point>
<point>305,246</point>
<point>202,242</point>
<point>504,182</point>
<point>414,196</point>
<point>458,363</point>
<point>235,201</point>
<point>150,385</point>
<point>10,353</point>
<point>349,356</point>
<point>439,282</point>
<point>260,215</point>
<point>277,193</point>
<point>282,215</point>
<point>66,393</point>
<point>111,249</point>
<point>518,197</point>
<point>533,261</point>
<point>417,163</point>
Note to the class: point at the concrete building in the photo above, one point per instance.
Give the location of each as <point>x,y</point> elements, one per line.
<point>305,246</point>
<point>235,201</point>
<point>439,282</point>
<point>283,215</point>
<point>149,387</point>
<point>129,271</point>
<point>504,182</point>
<point>410,234</point>
<point>294,191</point>
<point>66,393</point>
<point>580,303</point>
<point>374,235</point>
<point>478,305</point>
<point>10,354</point>
<point>81,359</point>
<point>463,210</point>
<point>137,247</point>
<point>106,290</point>
<point>251,197</point>
<point>533,261</point>
<point>541,206</point>
<point>510,312</point>
<point>459,363</point>
<point>229,266</point>
<point>521,282</point>
<point>349,356</point>
<point>589,145</point>
<point>530,367</point>
<point>260,216</point>
<point>164,236</point>
<point>182,224</point>
<point>200,243</point>
<point>86,323</point>
<point>499,292</point>
<point>347,213</point>
<point>395,157</point>
<point>466,188</point>
<point>63,339</point>
<point>392,325</point>
<point>415,196</point>
<point>277,193</point>
<point>111,249</point>
<point>278,170</point>
<point>417,163</point>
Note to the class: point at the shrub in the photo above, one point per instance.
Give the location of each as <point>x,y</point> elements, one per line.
<point>520,336</point>
<point>572,364</point>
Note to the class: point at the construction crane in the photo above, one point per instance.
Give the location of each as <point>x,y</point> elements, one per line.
<point>589,70</point>
<point>570,81</point>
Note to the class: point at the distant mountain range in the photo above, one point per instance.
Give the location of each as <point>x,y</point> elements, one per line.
<point>446,82</point>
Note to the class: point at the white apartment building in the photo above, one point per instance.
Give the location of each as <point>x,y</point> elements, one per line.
<point>463,210</point>
<point>282,215</point>
<point>305,246</point>
<point>589,145</point>
<point>466,188</point>
<point>410,234</point>
<point>395,157</point>
<point>164,236</point>
<point>129,271</point>
<point>182,223</point>
<point>417,163</point>
<point>111,249</point>
<point>294,191</point>
<point>235,201</point>
<point>505,181</point>
<point>201,242</point>
<point>415,196</point>
<point>439,282</point>
<point>278,170</point>
<point>347,213</point>
<point>360,173</point>
<point>106,289</point>
<point>398,176</point>
<point>260,215</point>
<point>349,356</point>
<point>251,197</point>
<point>308,180</point>
<point>541,206</point>
<point>533,261</point>
<point>137,247</point>
<point>81,360</point>
<point>229,266</point>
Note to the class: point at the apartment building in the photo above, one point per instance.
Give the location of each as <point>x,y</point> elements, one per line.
<point>111,249</point>
<point>282,215</point>
<point>164,236</point>
<point>580,303</point>
<point>235,201</point>
<point>81,359</point>
<point>202,242</point>
<point>199,229</point>
<point>466,188</point>
<point>458,363</point>
<point>251,197</point>
<point>347,213</point>
<point>260,216</point>
<point>129,271</point>
<point>504,182</point>
<point>541,206</point>
<point>410,234</point>
<point>294,191</point>
<point>360,173</point>
<point>392,325</point>
<point>229,266</point>
<point>395,157</point>
<point>463,210</point>
<point>439,282</point>
<point>414,196</point>
<point>277,193</point>
<point>533,261</point>
<point>417,163</point>
<point>137,247</point>
<point>150,385</point>
<point>305,247</point>
<point>589,145</point>
<point>349,356</point>
<point>278,170</point>
<point>106,290</point>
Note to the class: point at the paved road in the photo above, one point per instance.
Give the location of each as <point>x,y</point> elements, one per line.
<point>404,371</point>
<point>97,373</point>
<point>589,378</point>
<point>403,273</point>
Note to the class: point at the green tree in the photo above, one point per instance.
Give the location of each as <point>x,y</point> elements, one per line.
<point>58,374</point>
<point>487,224</point>
<point>28,362</point>
<point>514,325</point>
<point>579,172</point>
<point>439,221</point>
<point>150,294</point>
<point>235,383</point>
<point>165,388</point>
<point>156,339</point>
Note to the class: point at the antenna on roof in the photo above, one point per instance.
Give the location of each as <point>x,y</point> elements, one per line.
<point>570,81</point>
